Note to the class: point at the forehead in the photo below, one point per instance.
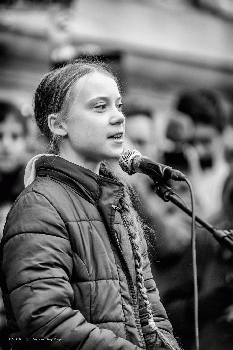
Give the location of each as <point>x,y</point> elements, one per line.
<point>95,84</point>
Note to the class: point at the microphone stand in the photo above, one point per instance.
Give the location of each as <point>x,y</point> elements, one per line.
<point>224,237</point>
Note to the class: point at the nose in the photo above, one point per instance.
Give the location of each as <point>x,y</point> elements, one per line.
<point>117,116</point>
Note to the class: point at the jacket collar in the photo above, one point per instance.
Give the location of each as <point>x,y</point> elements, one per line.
<point>82,180</point>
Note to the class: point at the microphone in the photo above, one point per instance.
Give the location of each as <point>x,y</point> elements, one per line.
<point>131,161</point>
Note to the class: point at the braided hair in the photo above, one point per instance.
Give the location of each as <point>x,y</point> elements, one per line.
<point>135,229</point>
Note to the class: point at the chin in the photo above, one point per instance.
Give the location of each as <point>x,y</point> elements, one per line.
<point>114,154</point>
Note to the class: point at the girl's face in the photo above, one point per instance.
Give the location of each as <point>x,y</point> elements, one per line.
<point>95,124</point>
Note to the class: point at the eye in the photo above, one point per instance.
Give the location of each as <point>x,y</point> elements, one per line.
<point>100,106</point>
<point>120,106</point>
<point>15,136</point>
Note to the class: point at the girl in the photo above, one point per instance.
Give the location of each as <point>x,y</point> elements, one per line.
<point>76,274</point>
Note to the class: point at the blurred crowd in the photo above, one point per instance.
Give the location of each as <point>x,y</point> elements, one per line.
<point>196,138</point>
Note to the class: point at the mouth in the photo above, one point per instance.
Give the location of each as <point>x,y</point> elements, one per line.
<point>117,136</point>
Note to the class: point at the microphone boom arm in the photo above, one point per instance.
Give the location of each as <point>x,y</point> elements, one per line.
<point>224,237</point>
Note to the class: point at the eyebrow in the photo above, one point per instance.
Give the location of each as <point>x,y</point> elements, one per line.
<point>105,98</point>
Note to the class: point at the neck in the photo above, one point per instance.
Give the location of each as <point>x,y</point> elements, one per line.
<point>81,161</point>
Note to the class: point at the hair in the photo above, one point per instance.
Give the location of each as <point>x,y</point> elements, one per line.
<point>54,93</point>
<point>203,106</point>
<point>9,110</point>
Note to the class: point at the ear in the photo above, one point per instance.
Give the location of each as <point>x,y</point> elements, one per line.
<point>56,126</point>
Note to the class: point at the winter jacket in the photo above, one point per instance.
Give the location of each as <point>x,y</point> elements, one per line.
<point>68,270</point>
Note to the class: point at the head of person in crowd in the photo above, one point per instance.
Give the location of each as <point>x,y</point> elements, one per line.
<point>13,137</point>
<point>139,127</point>
<point>205,107</point>
<point>178,134</point>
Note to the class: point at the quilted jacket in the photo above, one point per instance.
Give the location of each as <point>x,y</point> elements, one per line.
<point>67,265</point>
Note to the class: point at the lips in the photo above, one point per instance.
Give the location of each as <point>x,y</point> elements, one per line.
<point>117,136</point>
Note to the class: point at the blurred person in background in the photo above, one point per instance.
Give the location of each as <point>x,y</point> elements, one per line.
<point>214,262</point>
<point>175,153</point>
<point>13,150</point>
<point>179,132</point>
<point>139,127</point>
<point>215,286</point>
<point>209,168</point>
<point>139,131</point>
<point>168,233</point>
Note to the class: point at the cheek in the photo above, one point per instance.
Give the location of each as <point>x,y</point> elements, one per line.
<point>84,135</point>
<point>86,130</point>
<point>92,131</point>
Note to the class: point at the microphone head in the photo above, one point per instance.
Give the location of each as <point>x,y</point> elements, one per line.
<point>126,161</point>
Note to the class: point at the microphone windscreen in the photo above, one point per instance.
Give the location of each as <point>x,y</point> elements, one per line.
<point>126,160</point>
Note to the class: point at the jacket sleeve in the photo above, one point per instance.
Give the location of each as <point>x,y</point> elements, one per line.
<point>37,265</point>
